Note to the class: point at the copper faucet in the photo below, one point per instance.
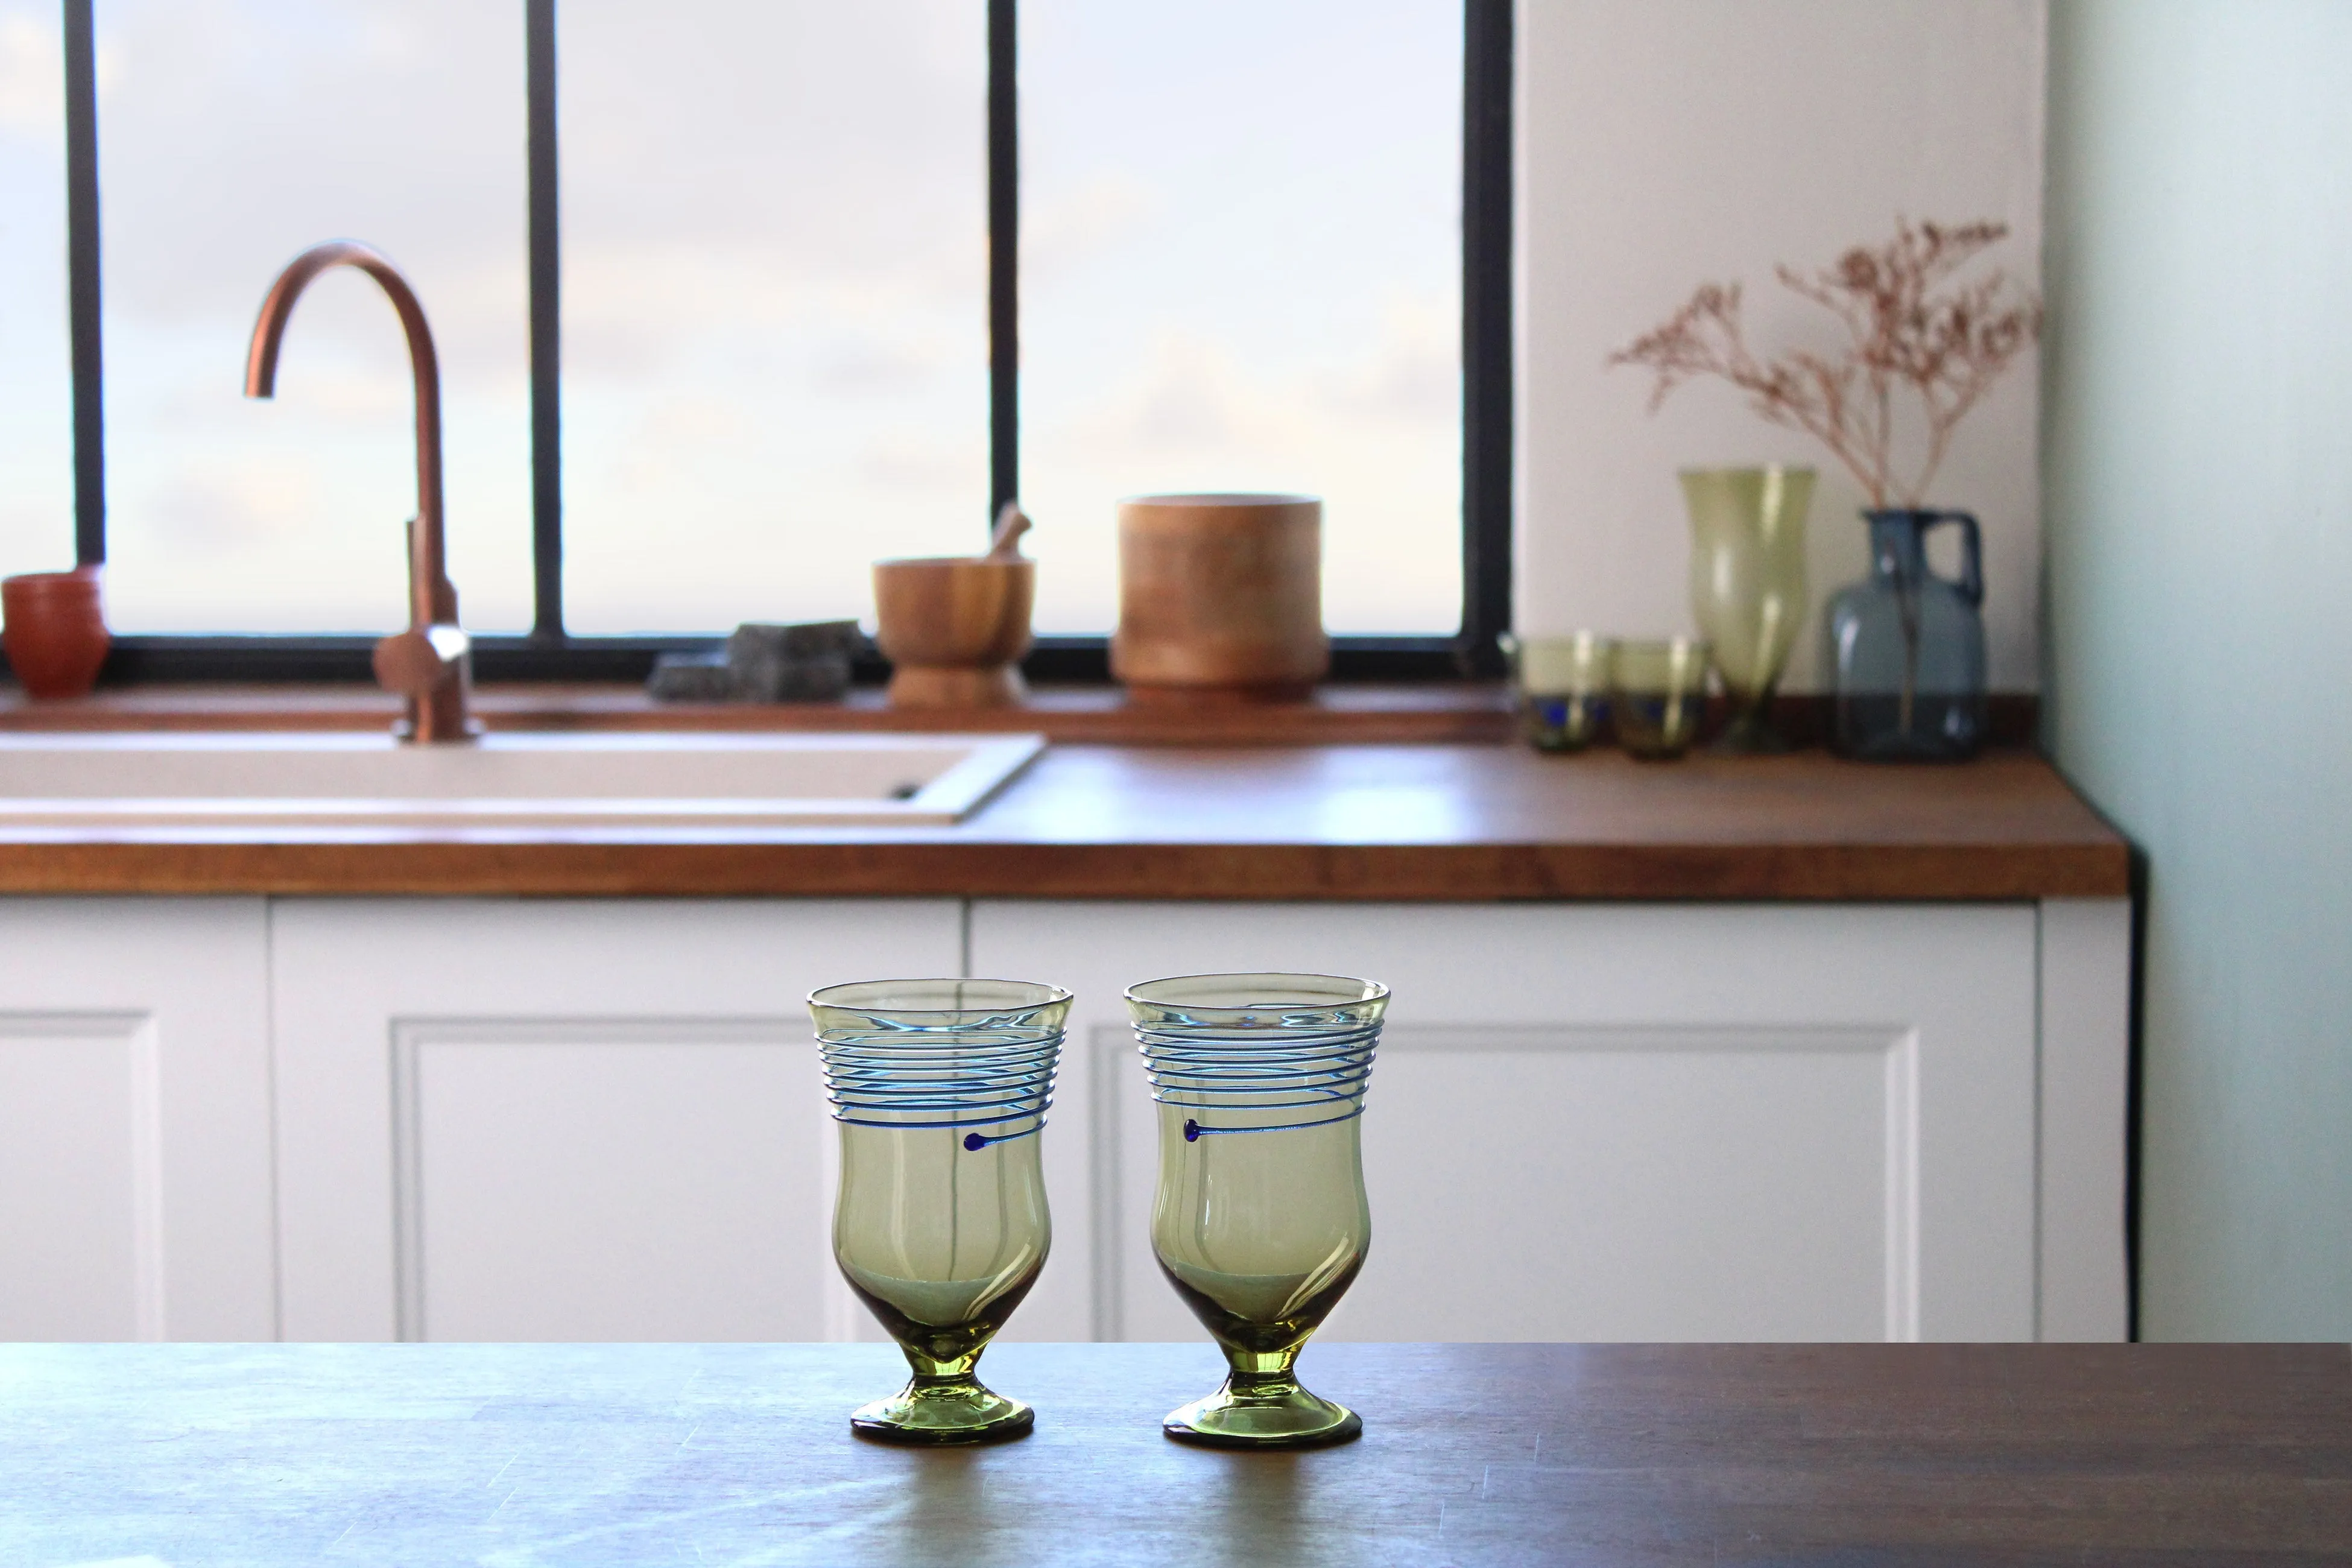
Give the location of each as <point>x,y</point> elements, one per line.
<point>431,663</point>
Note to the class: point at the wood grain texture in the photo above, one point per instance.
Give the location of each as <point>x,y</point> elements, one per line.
<point>269,1454</point>
<point>1440,823</point>
<point>1219,594</point>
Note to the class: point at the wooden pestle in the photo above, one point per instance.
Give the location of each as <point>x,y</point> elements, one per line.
<point>1011,522</point>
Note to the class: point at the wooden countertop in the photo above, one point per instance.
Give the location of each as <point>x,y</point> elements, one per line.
<point>1338,822</point>
<point>1435,712</point>
<point>261,1456</point>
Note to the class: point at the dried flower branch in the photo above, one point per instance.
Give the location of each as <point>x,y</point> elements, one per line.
<point>1949,349</point>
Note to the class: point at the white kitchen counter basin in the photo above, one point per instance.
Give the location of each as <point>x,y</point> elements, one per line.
<point>604,780</point>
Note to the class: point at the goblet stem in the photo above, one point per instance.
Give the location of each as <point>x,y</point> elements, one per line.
<point>1262,1381</point>
<point>1263,1364</point>
<point>931,1369</point>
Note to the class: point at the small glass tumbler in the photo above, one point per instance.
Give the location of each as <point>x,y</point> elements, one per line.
<point>1561,688</point>
<point>1260,1220</point>
<point>941,1088</point>
<point>1658,694</point>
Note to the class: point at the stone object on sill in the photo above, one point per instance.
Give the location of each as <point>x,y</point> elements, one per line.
<point>804,639</point>
<point>808,662</point>
<point>691,677</point>
<point>763,663</point>
<point>818,677</point>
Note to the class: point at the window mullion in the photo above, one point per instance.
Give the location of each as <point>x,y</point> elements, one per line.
<point>1487,389</point>
<point>82,275</point>
<point>1003,258</point>
<point>546,327</point>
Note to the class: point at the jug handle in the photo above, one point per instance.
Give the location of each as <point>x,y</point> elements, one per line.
<point>1971,578</point>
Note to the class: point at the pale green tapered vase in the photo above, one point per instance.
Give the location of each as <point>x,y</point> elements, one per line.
<point>1748,586</point>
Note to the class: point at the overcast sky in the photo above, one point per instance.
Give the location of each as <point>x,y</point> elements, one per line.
<point>1240,271</point>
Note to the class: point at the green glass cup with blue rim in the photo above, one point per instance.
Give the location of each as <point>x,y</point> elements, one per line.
<point>1260,1222</point>
<point>1657,695</point>
<point>1560,688</point>
<point>941,1088</point>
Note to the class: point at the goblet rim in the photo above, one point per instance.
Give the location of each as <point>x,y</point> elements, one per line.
<point>1695,471</point>
<point>1302,987</point>
<point>873,997</point>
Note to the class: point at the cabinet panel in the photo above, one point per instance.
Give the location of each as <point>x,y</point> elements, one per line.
<point>518,1120</point>
<point>1717,1121</point>
<point>632,1180</point>
<point>134,1120</point>
<point>1756,1179</point>
<point>80,1177</point>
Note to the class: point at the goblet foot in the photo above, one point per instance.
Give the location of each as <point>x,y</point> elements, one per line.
<point>935,1414</point>
<point>1271,1413</point>
<point>1751,735</point>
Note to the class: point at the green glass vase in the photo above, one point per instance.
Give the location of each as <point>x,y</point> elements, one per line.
<point>1747,586</point>
<point>1260,1220</point>
<point>940,1088</point>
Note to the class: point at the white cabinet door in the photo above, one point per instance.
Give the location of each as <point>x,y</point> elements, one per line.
<point>1598,1121</point>
<point>517,1119</point>
<point>134,1120</point>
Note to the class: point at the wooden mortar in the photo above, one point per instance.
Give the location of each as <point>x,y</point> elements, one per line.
<point>1219,598</point>
<point>954,627</point>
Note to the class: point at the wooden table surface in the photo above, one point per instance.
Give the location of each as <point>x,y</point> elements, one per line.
<point>1469,823</point>
<point>265,1455</point>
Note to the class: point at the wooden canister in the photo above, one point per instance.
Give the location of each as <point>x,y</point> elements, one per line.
<point>1220,597</point>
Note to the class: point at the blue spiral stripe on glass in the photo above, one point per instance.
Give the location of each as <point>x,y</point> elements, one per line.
<point>976,1078</point>
<point>1291,1073</point>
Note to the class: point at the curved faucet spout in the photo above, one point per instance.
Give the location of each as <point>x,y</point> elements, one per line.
<point>430,664</point>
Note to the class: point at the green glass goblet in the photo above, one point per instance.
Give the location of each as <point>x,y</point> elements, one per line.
<point>940,1226</point>
<point>1260,1220</point>
<point>1747,586</point>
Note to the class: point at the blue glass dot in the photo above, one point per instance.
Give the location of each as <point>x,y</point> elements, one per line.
<point>975,1141</point>
<point>1191,1132</point>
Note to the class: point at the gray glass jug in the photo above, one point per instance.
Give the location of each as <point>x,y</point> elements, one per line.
<point>1907,646</point>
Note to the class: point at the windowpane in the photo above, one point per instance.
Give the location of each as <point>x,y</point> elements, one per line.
<point>37,526</point>
<point>1241,270</point>
<point>233,133</point>
<point>774,303</point>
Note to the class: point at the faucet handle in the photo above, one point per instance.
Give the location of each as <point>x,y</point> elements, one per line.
<point>421,658</point>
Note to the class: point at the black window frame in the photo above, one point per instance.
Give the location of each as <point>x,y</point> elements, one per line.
<point>549,653</point>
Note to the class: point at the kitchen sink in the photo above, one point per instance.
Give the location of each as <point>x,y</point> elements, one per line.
<point>245,781</point>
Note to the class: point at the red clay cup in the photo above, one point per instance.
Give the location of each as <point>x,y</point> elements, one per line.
<point>54,631</point>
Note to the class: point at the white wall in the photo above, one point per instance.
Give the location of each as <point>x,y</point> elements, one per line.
<point>1665,143</point>
<point>2200,398</point>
